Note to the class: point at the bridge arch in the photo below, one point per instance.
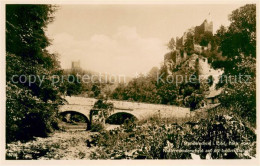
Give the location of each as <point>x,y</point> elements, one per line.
<point>120,117</point>
<point>75,118</point>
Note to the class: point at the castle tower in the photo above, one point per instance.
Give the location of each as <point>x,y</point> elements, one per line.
<point>75,65</point>
<point>208,24</point>
<point>209,18</point>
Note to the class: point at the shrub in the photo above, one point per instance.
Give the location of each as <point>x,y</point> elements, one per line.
<point>159,140</point>
<point>97,127</point>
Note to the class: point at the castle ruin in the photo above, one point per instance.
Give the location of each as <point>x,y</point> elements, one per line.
<point>75,65</point>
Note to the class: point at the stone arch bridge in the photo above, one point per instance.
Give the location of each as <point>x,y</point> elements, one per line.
<point>140,111</point>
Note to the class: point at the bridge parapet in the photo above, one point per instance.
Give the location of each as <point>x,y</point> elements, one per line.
<point>73,100</point>
<point>139,110</point>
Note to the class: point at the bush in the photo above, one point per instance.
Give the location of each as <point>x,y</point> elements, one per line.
<point>27,115</point>
<point>158,140</point>
<point>242,94</point>
<point>97,127</point>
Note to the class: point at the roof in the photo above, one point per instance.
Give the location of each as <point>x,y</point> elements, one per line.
<point>214,93</point>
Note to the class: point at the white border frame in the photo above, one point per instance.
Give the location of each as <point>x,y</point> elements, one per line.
<point>112,162</point>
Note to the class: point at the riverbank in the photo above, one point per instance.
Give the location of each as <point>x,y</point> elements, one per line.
<point>213,134</point>
<point>69,145</point>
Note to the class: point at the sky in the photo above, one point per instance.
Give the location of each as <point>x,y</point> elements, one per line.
<point>125,39</point>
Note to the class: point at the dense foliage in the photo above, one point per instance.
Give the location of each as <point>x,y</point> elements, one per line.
<point>238,59</point>
<point>215,136</point>
<point>142,89</point>
<point>157,87</point>
<point>101,111</point>
<point>189,44</point>
<point>31,105</point>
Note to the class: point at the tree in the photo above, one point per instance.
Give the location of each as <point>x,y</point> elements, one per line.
<point>96,90</point>
<point>220,34</point>
<point>31,107</point>
<point>189,44</point>
<point>153,74</point>
<point>243,30</point>
<point>239,41</point>
<point>206,38</point>
<point>102,110</point>
<point>73,85</point>
<point>25,30</point>
<point>168,93</point>
<point>119,92</point>
<point>238,47</point>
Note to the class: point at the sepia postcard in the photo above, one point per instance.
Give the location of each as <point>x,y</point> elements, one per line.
<point>128,82</point>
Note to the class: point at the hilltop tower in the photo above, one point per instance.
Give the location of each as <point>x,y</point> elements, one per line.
<point>75,65</point>
<point>209,18</point>
<point>208,26</point>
